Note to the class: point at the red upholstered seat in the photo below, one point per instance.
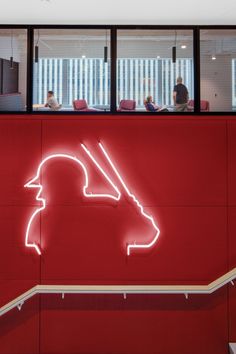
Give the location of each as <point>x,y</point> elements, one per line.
<point>127,105</point>
<point>81,105</point>
<point>205,106</point>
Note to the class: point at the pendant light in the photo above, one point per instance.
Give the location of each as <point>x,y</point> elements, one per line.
<point>11,57</point>
<point>36,50</point>
<point>213,57</point>
<point>174,49</point>
<point>106,50</point>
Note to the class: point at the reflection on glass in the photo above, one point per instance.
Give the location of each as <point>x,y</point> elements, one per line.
<point>218,75</point>
<point>13,69</point>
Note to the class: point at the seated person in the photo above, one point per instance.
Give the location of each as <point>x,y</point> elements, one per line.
<point>52,102</point>
<point>152,107</point>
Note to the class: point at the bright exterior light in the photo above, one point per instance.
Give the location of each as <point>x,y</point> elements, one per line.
<point>35,183</point>
<point>213,57</point>
<point>158,57</point>
<point>183,46</point>
<point>83,56</point>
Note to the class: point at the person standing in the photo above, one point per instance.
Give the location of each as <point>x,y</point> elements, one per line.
<point>180,96</point>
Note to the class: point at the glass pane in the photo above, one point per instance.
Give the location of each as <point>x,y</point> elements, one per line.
<point>218,80</point>
<point>71,70</point>
<point>149,62</point>
<point>13,69</point>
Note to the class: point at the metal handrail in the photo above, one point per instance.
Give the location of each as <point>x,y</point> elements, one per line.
<point>121,289</point>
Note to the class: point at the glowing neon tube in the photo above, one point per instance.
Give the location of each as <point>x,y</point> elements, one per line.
<point>132,196</point>
<point>34,183</point>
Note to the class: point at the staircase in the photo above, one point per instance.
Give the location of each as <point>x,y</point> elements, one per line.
<point>232,348</point>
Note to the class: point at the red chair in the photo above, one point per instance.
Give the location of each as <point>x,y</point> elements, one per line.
<point>127,105</point>
<point>204,106</point>
<point>82,106</point>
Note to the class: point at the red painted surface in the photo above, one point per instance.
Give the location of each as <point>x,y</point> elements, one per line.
<point>183,171</point>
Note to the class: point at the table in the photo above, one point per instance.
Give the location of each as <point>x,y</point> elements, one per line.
<point>38,106</point>
<point>102,107</point>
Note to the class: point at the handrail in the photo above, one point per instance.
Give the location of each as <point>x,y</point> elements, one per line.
<point>232,347</point>
<point>120,289</point>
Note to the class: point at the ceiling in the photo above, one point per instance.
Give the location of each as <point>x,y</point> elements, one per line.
<point>118,12</point>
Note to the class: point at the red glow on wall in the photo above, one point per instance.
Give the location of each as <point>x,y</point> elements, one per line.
<point>35,183</point>
<point>183,171</point>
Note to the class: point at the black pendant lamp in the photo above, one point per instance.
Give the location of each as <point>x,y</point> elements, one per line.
<point>106,50</point>
<point>174,49</point>
<point>105,54</point>
<point>11,63</point>
<point>11,57</point>
<point>36,50</point>
<point>36,54</point>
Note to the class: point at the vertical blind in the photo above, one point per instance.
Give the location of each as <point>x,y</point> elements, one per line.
<point>90,79</point>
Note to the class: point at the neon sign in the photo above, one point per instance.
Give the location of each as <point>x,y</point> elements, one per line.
<point>35,183</point>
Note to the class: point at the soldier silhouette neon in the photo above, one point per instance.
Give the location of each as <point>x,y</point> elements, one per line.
<point>35,183</point>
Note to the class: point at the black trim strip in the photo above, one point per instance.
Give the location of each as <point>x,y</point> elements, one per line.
<point>107,26</point>
<point>30,57</point>
<point>113,69</point>
<point>196,71</point>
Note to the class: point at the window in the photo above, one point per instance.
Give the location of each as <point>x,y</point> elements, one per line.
<point>147,66</point>
<point>234,83</point>
<point>13,69</point>
<point>218,54</point>
<point>74,65</point>
<point>72,71</point>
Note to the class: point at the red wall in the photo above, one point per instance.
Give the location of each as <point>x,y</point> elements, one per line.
<point>183,170</point>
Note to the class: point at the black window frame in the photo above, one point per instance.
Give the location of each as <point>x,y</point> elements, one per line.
<point>113,50</point>
<point>28,93</point>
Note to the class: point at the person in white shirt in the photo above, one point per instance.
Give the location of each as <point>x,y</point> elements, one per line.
<point>52,102</point>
